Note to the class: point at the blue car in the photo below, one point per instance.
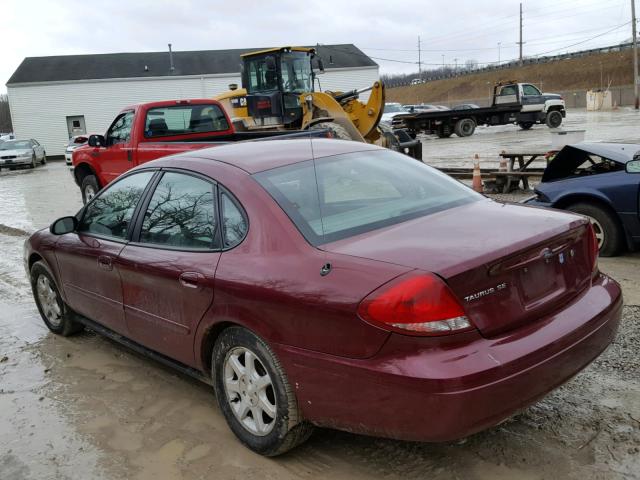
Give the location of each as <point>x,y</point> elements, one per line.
<point>601,181</point>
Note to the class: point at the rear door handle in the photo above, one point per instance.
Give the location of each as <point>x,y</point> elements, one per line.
<point>105,262</point>
<point>130,155</point>
<point>191,279</point>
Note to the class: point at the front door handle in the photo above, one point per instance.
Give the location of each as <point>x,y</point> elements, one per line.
<point>191,279</point>
<point>105,262</point>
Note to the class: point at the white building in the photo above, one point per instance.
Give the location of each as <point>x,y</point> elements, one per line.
<point>53,98</point>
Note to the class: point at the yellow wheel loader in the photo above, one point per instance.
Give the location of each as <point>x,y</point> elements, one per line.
<point>278,94</point>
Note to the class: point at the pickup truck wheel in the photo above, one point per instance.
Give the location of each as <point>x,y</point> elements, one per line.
<point>525,125</point>
<point>54,312</point>
<point>254,394</point>
<point>608,232</point>
<point>89,188</point>
<point>338,130</point>
<point>554,119</point>
<point>465,127</point>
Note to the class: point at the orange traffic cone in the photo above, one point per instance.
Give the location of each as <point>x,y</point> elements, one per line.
<point>477,178</point>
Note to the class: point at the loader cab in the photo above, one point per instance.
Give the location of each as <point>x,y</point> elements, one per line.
<point>275,80</point>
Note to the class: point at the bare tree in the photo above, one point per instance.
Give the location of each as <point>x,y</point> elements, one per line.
<point>5,115</point>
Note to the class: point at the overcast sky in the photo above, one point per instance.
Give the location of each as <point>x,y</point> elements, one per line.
<point>387,31</point>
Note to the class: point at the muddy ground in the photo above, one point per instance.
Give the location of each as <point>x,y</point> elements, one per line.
<point>86,408</point>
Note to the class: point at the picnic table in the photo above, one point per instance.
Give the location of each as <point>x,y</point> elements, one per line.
<point>521,172</point>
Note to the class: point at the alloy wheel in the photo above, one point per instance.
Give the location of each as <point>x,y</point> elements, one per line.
<point>48,299</point>
<point>249,390</point>
<point>598,231</point>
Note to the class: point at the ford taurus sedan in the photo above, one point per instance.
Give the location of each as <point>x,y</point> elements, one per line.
<point>331,283</point>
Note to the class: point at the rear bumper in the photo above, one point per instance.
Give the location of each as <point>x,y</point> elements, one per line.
<point>419,389</point>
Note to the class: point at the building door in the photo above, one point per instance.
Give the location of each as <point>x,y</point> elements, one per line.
<point>76,126</point>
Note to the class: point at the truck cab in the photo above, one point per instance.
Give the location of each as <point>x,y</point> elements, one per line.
<point>535,106</point>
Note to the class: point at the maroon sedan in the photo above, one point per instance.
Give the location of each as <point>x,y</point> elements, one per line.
<point>331,283</point>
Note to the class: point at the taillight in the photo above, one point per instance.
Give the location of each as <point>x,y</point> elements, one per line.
<point>415,304</point>
<point>593,247</point>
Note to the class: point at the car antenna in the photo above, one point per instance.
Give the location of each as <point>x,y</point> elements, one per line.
<point>326,266</point>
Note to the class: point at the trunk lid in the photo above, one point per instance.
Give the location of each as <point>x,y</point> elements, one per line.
<point>507,264</point>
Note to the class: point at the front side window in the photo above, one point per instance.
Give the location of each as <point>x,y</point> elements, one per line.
<point>184,119</point>
<point>530,90</point>
<point>181,214</point>
<point>297,76</point>
<point>110,213</point>
<point>234,223</point>
<point>120,130</point>
<point>353,193</point>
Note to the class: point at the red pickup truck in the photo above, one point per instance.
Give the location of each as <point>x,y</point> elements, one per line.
<point>147,131</point>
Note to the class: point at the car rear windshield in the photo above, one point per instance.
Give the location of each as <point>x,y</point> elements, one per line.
<point>359,192</point>
<point>184,119</point>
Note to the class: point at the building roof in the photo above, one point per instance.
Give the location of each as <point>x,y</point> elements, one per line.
<point>156,64</point>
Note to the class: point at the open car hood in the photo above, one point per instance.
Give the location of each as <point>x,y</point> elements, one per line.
<point>572,156</point>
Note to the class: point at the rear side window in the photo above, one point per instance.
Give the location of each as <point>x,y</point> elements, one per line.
<point>109,214</point>
<point>234,222</point>
<point>184,119</point>
<point>349,194</point>
<point>181,214</point>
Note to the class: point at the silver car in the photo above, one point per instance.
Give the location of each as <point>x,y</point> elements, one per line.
<point>21,152</point>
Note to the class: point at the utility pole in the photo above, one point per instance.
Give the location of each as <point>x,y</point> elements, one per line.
<point>419,60</point>
<point>499,43</point>
<point>635,53</point>
<point>443,61</point>
<point>520,42</point>
<point>455,69</point>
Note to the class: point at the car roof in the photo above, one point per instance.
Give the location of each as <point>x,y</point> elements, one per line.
<point>618,152</point>
<point>258,156</point>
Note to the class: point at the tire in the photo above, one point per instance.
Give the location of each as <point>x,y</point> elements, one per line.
<point>33,161</point>
<point>525,125</point>
<point>554,119</point>
<point>89,188</point>
<point>276,433</point>
<point>465,127</point>
<point>54,312</point>
<point>44,158</point>
<point>608,232</point>
<point>338,130</point>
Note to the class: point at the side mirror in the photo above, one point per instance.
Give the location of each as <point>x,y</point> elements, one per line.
<point>270,62</point>
<point>97,141</point>
<point>634,165</point>
<point>319,64</point>
<point>64,225</point>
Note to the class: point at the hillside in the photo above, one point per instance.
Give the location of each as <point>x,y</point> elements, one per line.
<point>570,74</point>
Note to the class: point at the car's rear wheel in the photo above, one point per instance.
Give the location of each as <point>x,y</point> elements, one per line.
<point>89,188</point>
<point>606,228</point>
<point>254,394</point>
<point>44,158</point>
<point>54,312</point>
